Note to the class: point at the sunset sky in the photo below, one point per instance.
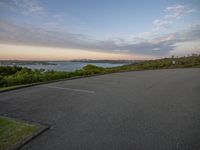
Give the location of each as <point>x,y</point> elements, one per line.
<point>98,29</point>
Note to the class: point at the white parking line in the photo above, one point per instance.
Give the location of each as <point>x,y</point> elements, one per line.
<point>71,89</point>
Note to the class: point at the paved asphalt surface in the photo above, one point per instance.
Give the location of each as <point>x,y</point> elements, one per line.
<point>141,110</point>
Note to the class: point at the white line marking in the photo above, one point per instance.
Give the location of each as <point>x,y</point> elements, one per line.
<point>62,88</point>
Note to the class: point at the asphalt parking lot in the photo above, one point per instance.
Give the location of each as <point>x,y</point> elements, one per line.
<point>141,110</point>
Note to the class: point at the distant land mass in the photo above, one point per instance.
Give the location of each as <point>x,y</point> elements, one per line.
<point>51,62</point>
<point>106,61</point>
<point>24,62</point>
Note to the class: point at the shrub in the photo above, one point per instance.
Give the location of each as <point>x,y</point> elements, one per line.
<point>92,69</point>
<point>9,70</point>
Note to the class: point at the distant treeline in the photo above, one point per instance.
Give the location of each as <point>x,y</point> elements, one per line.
<point>11,76</point>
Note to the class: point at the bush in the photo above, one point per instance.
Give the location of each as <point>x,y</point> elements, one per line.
<point>3,82</point>
<point>9,70</point>
<point>92,69</point>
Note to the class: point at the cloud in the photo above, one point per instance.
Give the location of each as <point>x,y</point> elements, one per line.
<point>51,34</point>
<point>160,24</point>
<point>33,9</point>
<point>30,35</point>
<point>60,16</point>
<point>186,48</point>
<point>172,14</point>
<point>14,34</point>
<point>145,34</point>
<point>158,46</point>
<point>156,49</point>
<point>24,7</point>
<point>191,33</point>
<point>177,11</point>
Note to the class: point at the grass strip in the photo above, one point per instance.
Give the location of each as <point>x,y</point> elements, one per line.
<point>14,133</point>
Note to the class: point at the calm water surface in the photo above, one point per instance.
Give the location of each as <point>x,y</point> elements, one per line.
<point>68,66</point>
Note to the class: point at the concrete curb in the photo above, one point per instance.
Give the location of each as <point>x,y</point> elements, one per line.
<point>42,130</point>
<point>46,82</point>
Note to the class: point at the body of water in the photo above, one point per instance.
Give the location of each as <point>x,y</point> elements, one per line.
<point>66,65</point>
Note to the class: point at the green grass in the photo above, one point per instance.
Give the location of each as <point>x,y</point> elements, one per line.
<point>165,63</point>
<point>13,133</point>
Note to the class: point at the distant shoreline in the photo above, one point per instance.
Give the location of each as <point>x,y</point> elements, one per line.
<point>50,62</point>
<point>106,61</point>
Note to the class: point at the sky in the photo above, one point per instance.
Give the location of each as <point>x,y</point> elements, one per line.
<point>98,29</point>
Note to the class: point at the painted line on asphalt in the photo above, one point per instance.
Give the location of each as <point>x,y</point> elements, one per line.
<point>70,89</point>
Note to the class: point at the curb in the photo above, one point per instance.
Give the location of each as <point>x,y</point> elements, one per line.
<point>46,82</point>
<point>42,130</point>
